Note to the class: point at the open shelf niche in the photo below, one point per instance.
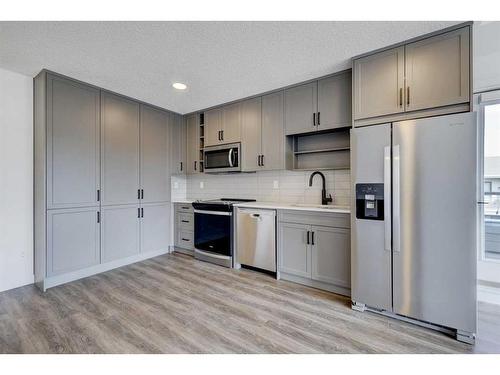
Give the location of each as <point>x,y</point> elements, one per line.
<point>319,151</point>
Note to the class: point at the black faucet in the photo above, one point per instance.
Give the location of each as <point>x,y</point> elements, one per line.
<point>324,198</point>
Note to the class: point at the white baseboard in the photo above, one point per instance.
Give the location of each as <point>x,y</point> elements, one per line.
<point>488,294</point>
<point>50,282</point>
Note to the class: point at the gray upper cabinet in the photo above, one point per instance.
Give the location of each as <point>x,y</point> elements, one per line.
<point>300,108</point>
<point>231,123</point>
<point>331,255</point>
<point>119,150</point>
<point>212,127</point>
<point>295,252</point>
<point>178,144</point>
<point>72,239</point>
<point>120,226</point>
<point>431,75</point>
<point>379,84</point>
<point>155,176</point>
<point>193,144</point>
<point>437,71</point>
<point>273,132</point>
<point>334,102</point>
<point>155,227</point>
<point>73,121</point>
<point>251,125</point>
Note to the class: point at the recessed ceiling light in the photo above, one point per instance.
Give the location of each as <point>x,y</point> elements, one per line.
<point>179,86</point>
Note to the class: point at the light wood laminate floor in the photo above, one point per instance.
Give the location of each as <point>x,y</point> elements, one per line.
<point>175,304</point>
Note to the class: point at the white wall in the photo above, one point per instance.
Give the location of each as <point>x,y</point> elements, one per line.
<point>16,180</point>
<point>486,61</point>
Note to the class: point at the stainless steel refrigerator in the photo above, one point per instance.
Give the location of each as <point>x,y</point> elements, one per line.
<point>414,233</point>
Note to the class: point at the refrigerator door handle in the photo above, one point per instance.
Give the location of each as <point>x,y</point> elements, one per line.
<point>387,198</point>
<point>396,199</point>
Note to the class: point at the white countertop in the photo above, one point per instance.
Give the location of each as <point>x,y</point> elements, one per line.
<point>299,207</point>
<point>184,200</point>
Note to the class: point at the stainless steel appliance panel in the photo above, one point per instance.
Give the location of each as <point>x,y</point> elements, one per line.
<point>256,238</point>
<point>371,239</point>
<point>434,216</point>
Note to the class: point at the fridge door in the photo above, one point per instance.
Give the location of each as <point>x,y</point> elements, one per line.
<point>371,239</point>
<point>434,220</point>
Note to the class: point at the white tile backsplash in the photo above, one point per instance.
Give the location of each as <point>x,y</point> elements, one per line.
<point>293,186</point>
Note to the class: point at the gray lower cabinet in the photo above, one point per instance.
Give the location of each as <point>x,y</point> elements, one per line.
<point>119,150</point>
<point>155,227</point>
<point>184,228</point>
<point>154,171</point>
<point>295,251</point>
<point>120,232</point>
<point>314,249</point>
<point>73,123</point>
<point>72,239</point>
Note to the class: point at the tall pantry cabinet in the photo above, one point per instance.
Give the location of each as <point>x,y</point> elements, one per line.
<point>102,180</point>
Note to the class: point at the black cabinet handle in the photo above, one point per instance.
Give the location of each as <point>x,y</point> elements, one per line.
<point>312,238</point>
<point>307,242</point>
<point>185,239</point>
<point>138,212</point>
<point>319,117</point>
<point>195,164</point>
<point>98,195</point>
<point>184,221</point>
<point>138,193</point>
<point>258,160</point>
<point>98,217</point>
<point>262,161</point>
<point>142,212</point>
<point>218,135</point>
<point>181,166</point>
<point>142,193</point>
<point>314,119</point>
<point>185,208</point>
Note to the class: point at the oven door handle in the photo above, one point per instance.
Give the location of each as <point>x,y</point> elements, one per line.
<point>230,157</point>
<point>219,213</point>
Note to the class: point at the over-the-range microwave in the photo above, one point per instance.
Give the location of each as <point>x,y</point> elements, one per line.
<point>222,158</point>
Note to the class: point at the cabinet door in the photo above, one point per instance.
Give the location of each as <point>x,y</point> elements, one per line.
<point>212,127</point>
<point>155,227</point>
<point>193,144</point>
<point>331,255</point>
<point>437,71</point>
<point>178,145</point>
<point>378,84</point>
<point>119,150</point>
<point>295,253</point>
<point>334,101</point>
<point>120,227</point>
<point>231,123</point>
<point>250,134</point>
<point>300,107</point>
<point>72,239</point>
<point>273,132</point>
<point>155,177</point>
<point>73,120</point>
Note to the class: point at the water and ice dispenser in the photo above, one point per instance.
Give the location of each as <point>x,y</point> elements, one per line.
<point>370,201</point>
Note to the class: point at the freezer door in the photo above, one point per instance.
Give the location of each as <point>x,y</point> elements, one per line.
<point>371,239</point>
<point>434,220</point>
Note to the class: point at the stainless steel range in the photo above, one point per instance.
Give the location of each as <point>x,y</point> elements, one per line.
<point>213,230</point>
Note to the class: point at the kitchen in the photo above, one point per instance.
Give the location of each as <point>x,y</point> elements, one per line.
<point>315,216</point>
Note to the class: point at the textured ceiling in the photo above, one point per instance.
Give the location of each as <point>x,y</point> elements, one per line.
<point>219,61</point>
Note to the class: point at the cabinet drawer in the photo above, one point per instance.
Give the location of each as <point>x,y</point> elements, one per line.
<point>185,221</point>
<point>184,207</point>
<point>185,239</point>
<point>334,220</point>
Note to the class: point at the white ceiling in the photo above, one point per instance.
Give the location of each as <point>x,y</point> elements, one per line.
<point>219,61</point>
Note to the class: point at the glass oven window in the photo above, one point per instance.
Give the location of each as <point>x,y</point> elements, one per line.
<point>212,233</point>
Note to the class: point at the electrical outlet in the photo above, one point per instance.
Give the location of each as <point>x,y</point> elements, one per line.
<point>202,184</point>
<point>276,184</point>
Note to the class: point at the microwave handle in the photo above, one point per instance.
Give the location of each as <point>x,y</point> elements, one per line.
<point>230,156</point>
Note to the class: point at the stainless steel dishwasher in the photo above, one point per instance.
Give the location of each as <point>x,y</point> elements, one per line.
<point>256,238</point>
